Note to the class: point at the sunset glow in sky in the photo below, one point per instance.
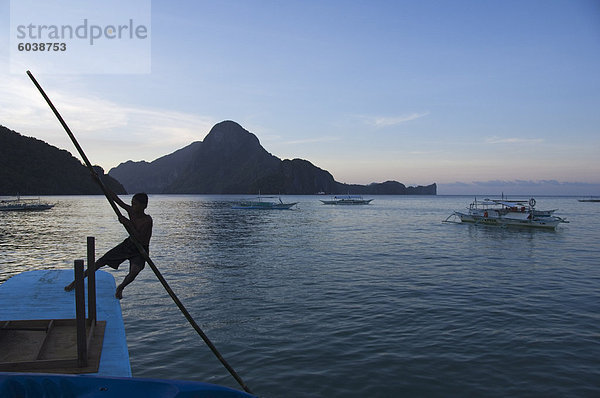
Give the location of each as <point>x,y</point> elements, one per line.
<point>476,96</point>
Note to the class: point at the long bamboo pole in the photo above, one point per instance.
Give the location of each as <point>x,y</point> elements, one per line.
<point>140,248</point>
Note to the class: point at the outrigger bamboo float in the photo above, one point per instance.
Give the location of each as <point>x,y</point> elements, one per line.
<point>507,213</point>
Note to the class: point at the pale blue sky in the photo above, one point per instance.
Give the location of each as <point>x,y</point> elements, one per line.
<point>490,94</point>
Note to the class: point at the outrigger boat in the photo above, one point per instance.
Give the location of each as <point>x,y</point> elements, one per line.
<point>590,199</point>
<point>508,213</point>
<point>260,204</point>
<point>24,205</point>
<point>347,200</point>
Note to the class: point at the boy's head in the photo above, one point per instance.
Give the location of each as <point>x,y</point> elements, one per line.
<point>141,198</point>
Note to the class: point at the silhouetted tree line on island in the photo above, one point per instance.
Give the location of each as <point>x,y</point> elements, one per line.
<point>29,166</point>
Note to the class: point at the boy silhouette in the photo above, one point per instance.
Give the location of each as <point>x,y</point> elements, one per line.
<point>139,224</point>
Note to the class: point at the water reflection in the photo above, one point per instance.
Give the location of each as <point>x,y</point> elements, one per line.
<point>344,298</point>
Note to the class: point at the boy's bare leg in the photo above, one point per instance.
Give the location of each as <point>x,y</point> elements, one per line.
<point>71,285</point>
<point>133,272</point>
<point>119,292</point>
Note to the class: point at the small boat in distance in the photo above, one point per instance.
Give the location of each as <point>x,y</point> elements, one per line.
<point>24,205</point>
<point>508,213</point>
<point>347,200</point>
<point>260,204</point>
<point>590,199</point>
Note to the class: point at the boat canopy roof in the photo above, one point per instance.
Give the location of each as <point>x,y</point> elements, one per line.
<point>506,202</point>
<point>509,204</point>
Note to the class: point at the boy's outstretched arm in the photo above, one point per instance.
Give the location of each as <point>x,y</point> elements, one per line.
<point>110,193</point>
<point>118,201</point>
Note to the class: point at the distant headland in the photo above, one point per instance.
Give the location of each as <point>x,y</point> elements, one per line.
<point>29,166</point>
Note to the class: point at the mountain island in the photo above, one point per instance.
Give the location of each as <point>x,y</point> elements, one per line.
<point>231,160</point>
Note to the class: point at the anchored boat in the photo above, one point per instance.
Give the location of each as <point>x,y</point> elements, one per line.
<point>24,205</point>
<point>347,200</point>
<point>590,199</point>
<point>260,204</point>
<point>507,213</point>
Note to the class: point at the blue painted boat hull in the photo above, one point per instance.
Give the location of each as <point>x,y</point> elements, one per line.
<point>35,385</point>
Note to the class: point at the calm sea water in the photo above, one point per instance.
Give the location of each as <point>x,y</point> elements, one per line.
<point>382,300</point>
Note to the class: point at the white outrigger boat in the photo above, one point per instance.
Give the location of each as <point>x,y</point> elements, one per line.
<point>347,200</point>
<point>508,213</point>
<point>260,204</point>
<point>24,205</point>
